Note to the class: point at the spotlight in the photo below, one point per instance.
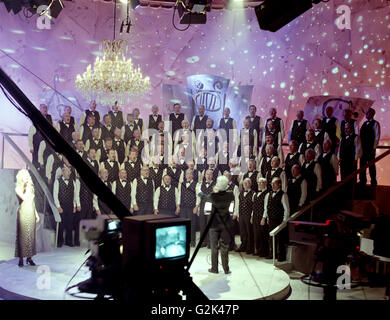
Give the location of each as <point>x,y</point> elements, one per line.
<point>275,14</point>
<point>193,11</point>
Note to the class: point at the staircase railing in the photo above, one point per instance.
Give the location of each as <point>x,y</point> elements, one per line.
<point>297,214</point>
<point>42,184</point>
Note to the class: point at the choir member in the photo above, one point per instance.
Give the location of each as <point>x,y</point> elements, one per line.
<point>199,121</point>
<point>329,165</point>
<point>347,115</point>
<point>138,121</point>
<point>186,148</point>
<point>319,132</point>
<point>206,187</point>
<point>175,119</point>
<point>161,138</point>
<point>166,198</point>
<point>187,201</point>
<point>228,124</point>
<point>122,189</point>
<point>174,172</point>
<point>201,160</point>
<point>186,132</point>
<point>100,207</point>
<point>298,128</point>
<point>265,162</point>
<point>260,232</point>
<point>75,138</point>
<point>80,149</point>
<point>292,158</point>
<point>349,151</point>
<point>107,146</point>
<point>111,165</point>
<point>252,174</point>
<point>107,129</point>
<point>276,210</point>
<point>235,171</point>
<point>142,193</point>
<point>255,123</point>
<point>276,135</point>
<point>154,119</point>
<point>311,143</point>
<point>279,125</point>
<point>91,111</point>
<point>195,172</point>
<point>87,127</point>
<point>117,116</point>
<point>156,171</point>
<point>132,166</point>
<point>311,172</point>
<point>92,160</point>
<point>65,128</point>
<point>331,126</point>
<point>269,141</point>
<point>223,157</point>
<point>44,110</point>
<point>95,143</point>
<point>72,121</point>
<point>245,211</point>
<point>67,200</point>
<point>53,162</point>
<point>370,133</point>
<point>248,136</point>
<point>276,172</point>
<point>119,146</point>
<point>235,227</point>
<point>296,189</point>
<point>129,128</point>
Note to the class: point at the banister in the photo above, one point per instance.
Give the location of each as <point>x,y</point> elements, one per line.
<point>41,183</point>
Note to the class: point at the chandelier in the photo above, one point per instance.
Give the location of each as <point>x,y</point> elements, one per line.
<point>113,77</point>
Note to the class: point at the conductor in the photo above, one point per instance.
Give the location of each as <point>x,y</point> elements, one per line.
<point>219,229</point>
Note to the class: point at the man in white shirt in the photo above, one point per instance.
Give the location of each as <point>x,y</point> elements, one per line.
<point>296,189</point>
<point>329,165</point>
<point>311,171</point>
<point>248,136</point>
<point>166,198</point>
<point>276,210</point>
<point>142,193</point>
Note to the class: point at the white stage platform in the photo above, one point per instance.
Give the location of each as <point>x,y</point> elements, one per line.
<point>251,278</point>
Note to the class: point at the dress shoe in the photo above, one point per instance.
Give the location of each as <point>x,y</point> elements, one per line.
<point>213,271</point>
<point>269,256</point>
<point>20,264</point>
<point>59,245</point>
<point>240,250</point>
<point>192,244</point>
<point>227,271</point>
<point>30,262</point>
<point>77,244</point>
<point>249,252</point>
<point>281,259</point>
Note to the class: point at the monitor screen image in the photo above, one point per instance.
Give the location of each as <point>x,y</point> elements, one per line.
<point>171,242</point>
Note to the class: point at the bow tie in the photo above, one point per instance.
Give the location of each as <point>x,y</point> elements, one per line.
<point>124,181</point>
<point>66,180</point>
<point>112,161</point>
<point>167,187</point>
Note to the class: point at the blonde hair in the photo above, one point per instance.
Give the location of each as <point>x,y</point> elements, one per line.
<point>22,176</point>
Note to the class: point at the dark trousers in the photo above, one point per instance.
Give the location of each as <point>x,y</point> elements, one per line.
<point>169,212</point>
<point>76,228</point>
<point>187,212</point>
<point>246,233</point>
<point>260,236</point>
<point>203,219</point>
<point>346,168</point>
<point>280,239</point>
<point>367,157</point>
<point>145,208</point>
<point>219,238</point>
<point>66,225</point>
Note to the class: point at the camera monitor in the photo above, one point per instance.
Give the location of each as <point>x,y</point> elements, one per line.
<point>170,242</point>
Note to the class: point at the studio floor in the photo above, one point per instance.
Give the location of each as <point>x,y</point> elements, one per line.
<point>251,278</point>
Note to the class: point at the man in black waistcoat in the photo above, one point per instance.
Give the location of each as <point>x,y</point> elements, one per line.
<point>276,135</point>
<point>107,146</point>
<point>276,172</point>
<point>175,119</point>
<point>278,122</point>
<point>117,116</point>
<point>99,206</point>
<point>329,166</point>
<point>369,135</point>
<point>248,136</point>
<point>86,128</point>
<point>199,121</point>
<point>53,162</point>
<point>252,174</point>
<point>298,128</point>
<point>331,126</point>
<point>311,143</point>
<point>206,187</point>
<point>154,119</point>
<point>349,153</point>
<point>111,165</point>
<point>119,146</point>
<point>319,133</point>
<point>132,167</point>
<point>347,114</point>
<point>265,162</point>
<point>175,172</point>
<point>255,123</point>
<point>311,172</point>
<point>260,232</point>
<point>107,129</point>
<point>72,121</point>
<point>276,210</point>
<point>245,210</point>
<point>129,128</point>
<point>137,119</point>
<point>91,160</point>
<point>91,112</point>
<point>138,144</point>
<point>66,198</point>
<point>296,189</point>
<point>95,143</point>
<point>142,193</point>
<point>228,124</point>
<point>292,158</point>
<point>65,128</point>
<point>122,189</point>
<point>166,198</point>
<point>187,200</point>
<point>223,157</point>
<point>220,236</point>
<point>80,149</point>
<point>156,171</point>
